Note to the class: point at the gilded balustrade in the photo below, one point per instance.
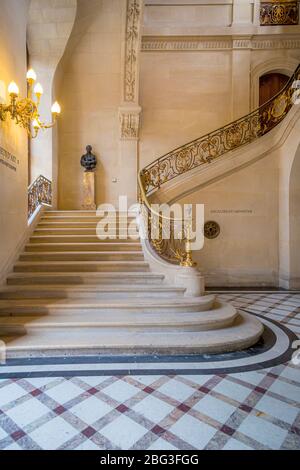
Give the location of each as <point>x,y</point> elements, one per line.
<point>39,192</point>
<point>203,151</point>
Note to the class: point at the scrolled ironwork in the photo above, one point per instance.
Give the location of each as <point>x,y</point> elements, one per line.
<point>39,192</point>
<point>279,13</point>
<point>203,151</point>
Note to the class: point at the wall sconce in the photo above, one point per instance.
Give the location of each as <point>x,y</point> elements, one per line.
<point>25,112</point>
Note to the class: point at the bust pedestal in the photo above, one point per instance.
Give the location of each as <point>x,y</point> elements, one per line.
<point>88,197</point>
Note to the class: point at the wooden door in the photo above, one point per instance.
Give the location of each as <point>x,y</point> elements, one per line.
<point>269,85</point>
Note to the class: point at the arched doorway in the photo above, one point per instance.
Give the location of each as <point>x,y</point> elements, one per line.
<point>270,84</point>
<point>294,205</point>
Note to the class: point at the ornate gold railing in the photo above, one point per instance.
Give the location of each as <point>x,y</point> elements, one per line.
<point>203,151</point>
<point>279,12</point>
<point>39,192</point>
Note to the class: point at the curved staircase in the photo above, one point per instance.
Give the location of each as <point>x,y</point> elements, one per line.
<point>73,293</point>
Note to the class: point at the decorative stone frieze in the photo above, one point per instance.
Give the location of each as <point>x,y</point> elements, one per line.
<point>184,44</point>
<point>132,46</point>
<point>129,123</point>
<point>165,44</point>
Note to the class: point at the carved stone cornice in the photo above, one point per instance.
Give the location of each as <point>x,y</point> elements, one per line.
<point>166,44</point>
<point>132,47</point>
<point>276,43</point>
<point>129,122</point>
<point>150,44</point>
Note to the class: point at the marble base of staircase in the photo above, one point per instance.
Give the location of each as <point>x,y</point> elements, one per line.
<point>71,293</point>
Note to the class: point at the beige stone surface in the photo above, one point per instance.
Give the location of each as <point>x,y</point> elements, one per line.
<point>49,26</point>
<point>90,93</point>
<point>13,184</point>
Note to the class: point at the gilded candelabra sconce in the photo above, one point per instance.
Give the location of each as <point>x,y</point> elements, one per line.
<point>25,111</point>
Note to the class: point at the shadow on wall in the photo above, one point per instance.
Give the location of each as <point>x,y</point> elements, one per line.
<point>294,199</point>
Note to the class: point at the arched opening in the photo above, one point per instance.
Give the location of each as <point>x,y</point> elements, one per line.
<point>270,84</point>
<point>294,203</point>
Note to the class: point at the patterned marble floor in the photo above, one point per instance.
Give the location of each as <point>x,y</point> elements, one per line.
<point>245,410</point>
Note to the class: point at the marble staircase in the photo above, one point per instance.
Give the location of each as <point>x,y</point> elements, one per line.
<point>71,293</point>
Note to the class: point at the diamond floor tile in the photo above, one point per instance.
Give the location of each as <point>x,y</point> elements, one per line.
<point>243,410</point>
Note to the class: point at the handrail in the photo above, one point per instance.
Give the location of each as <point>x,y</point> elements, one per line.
<point>214,144</point>
<point>39,192</point>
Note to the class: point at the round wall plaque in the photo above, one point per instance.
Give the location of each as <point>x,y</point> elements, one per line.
<point>211,229</point>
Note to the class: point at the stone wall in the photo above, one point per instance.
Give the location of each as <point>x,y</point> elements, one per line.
<point>90,94</point>
<point>13,139</point>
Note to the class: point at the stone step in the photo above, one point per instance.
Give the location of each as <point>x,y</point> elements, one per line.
<point>76,237</point>
<point>126,230</point>
<point>243,333</point>
<point>84,278</point>
<point>80,266</point>
<point>83,256</point>
<point>79,219</point>
<point>85,247</point>
<point>62,291</point>
<point>75,306</point>
<point>222,316</point>
<point>82,213</point>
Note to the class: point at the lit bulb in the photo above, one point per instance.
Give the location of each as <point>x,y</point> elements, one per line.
<point>13,89</point>
<point>31,75</point>
<point>38,89</point>
<point>55,108</point>
<point>35,124</point>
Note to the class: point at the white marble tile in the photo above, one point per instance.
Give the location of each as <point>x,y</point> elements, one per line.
<point>232,390</point>
<point>93,381</point>
<point>123,432</point>
<point>39,382</point>
<point>153,408</point>
<point>262,431</point>
<point>198,379</point>
<point>90,410</point>
<point>177,390</point>
<point>3,434</point>
<point>10,393</point>
<point>147,379</point>
<point>64,392</point>
<point>286,390</point>
<point>252,377</point>
<point>161,444</point>
<point>233,444</point>
<point>88,445</point>
<point>193,431</point>
<point>291,373</point>
<point>120,390</point>
<point>278,409</point>
<point>27,412</point>
<point>14,446</point>
<point>216,409</point>
<point>53,434</point>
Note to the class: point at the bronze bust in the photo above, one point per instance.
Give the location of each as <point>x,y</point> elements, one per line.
<point>89,160</point>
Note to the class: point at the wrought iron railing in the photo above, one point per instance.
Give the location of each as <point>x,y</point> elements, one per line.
<point>275,13</point>
<point>39,192</point>
<point>203,151</point>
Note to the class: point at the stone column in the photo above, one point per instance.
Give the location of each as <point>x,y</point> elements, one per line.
<point>129,110</point>
<point>242,12</point>
<point>241,67</point>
